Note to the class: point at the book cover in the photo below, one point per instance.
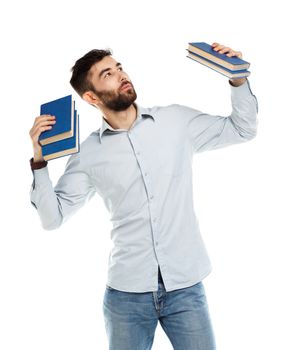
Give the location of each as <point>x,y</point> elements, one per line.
<point>206,51</point>
<point>63,110</point>
<point>63,147</point>
<point>229,73</point>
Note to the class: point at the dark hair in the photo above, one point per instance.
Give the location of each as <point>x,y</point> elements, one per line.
<point>79,80</point>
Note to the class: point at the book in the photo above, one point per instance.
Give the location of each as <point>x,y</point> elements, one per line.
<point>63,110</point>
<point>232,67</point>
<point>63,147</point>
<point>229,73</point>
<point>206,51</point>
<point>63,138</point>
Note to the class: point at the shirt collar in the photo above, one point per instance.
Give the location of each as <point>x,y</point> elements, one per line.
<point>141,113</point>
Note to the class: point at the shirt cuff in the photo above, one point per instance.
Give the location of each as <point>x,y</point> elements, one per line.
<point>242,90</point>
<point>37,165</point>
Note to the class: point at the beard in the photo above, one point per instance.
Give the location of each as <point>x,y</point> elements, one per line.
<point>117,101</point>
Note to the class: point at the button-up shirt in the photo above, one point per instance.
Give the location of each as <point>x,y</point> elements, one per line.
<point>144,176</point>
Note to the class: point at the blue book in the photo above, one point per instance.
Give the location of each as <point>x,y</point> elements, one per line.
<point>206,51</point>
<point>227,72</point>
<point>63,147</point>
<point>63,109</point>
<point>232,67</point>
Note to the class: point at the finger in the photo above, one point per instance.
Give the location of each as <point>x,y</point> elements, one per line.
<point>43,126</point>
<point>43,123</point>
<point>43,118</point>
<point>218,47</point>
<point>235,53</point>
<point>215,44</point>
<point>225,49</point>
<point>239,54</point>
<point>35,133</point>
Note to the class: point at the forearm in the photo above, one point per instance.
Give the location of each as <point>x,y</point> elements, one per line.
<point>57,204</point>
<point>244,110</point>
<point>44,199</point>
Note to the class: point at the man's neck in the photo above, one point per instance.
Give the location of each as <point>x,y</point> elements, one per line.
<point>123,119</point>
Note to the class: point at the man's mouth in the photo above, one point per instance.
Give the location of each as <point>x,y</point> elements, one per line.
<point>125,86</point>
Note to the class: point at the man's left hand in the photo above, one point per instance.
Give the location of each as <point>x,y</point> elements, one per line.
<point>229,52</point>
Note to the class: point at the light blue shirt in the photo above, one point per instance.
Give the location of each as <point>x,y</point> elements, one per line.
<point>144,176</point>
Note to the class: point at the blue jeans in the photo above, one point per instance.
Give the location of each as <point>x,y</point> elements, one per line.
<point>131,318</point>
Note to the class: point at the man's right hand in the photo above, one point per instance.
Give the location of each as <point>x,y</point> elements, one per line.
<point>41,123</point>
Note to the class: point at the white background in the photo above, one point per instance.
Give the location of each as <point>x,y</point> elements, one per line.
<point>53,282</point>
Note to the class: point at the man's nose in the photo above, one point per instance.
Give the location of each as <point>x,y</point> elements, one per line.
<point>123,76</point>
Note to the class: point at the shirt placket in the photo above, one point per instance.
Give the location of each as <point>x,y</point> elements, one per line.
<point>149,190</point>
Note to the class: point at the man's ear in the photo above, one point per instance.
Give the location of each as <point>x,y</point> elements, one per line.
<point>90,97</point>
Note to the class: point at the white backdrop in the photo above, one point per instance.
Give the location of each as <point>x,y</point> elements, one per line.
<point>53,282</point>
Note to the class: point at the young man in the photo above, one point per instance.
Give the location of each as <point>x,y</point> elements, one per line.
<point>139,161</point>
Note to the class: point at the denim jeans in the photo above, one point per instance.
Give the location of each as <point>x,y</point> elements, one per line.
<point>131,318</point>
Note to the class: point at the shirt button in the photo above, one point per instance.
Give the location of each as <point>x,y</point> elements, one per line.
<point>146,174</point>
<point>155,219</point>
<point>138,153</point>
<point>151,197</point>
<point>157,243</point>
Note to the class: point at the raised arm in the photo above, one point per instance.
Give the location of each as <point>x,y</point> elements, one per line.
<point>56,204</point>
<point>209,132</point>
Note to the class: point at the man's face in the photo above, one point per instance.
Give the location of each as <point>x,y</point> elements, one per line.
<point>112,85</point>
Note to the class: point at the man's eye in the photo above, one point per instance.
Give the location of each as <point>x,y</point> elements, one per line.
<point>107,74</point>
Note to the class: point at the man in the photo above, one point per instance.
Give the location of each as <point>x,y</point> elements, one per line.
<point>139,161</point>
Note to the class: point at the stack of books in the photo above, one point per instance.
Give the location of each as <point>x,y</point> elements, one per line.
<point>232,67</point>
<point>63,138</point>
